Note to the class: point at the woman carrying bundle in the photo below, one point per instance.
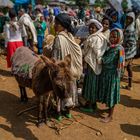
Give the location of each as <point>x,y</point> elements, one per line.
<point>65,44</point>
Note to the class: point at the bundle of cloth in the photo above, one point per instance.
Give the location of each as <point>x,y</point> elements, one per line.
<point>23,62</point>
<point>48,43</point>
<point>69,46</point>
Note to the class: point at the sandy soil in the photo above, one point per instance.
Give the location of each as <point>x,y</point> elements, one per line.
<point>125,126</point>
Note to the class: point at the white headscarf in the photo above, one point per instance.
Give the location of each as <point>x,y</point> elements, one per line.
<point>131,27</point>
<point>99,31</point>
<point>97,24</point>
<point>95,46</point>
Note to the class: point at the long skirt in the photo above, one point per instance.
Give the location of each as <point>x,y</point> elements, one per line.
<point>109,88</point>
<point>11,48</point>
<point>40,44</point>
<point>90,86</point>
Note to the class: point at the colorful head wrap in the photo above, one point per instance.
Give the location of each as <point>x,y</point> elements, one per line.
<point>120,36</point>
<point>121,62</point>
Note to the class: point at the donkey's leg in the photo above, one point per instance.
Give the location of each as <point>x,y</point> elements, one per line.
<point>59,117</point>
<point>46,104</point>
<point>67,113</point>
<point>40,110</point>
<point>25,95</point>
<point>21,94</point>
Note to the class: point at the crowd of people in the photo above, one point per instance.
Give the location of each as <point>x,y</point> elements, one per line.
<point>109,46</point>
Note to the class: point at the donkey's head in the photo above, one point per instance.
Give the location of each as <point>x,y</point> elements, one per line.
<point>60,76</point>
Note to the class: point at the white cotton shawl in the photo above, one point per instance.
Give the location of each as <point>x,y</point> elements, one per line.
<point>95,47</point>
<point>26,20</point>
<point>138,27</point>
<point>107,34</point>
<point>69,46</point>
<point>131,27</point>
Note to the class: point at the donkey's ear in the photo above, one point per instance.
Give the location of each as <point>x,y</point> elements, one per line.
<point>53,60</point>
<point>67,60</point>
<point>46,60</point>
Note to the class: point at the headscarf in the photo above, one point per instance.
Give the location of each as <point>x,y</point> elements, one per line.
<point>65,21</point>
<point>121,61</point>
<point>130,37</point>
<point>131,27</point>
<point>120,36</point>
<point>97,24</point>
<point>118,23</point>
<point>94,48</point>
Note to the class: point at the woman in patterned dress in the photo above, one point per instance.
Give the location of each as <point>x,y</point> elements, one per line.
<point>112,65</point>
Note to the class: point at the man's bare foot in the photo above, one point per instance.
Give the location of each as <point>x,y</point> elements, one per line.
<point>106,119</point>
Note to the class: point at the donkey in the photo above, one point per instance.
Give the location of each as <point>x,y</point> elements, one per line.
<point>58,78</point>
<point>49,78</point>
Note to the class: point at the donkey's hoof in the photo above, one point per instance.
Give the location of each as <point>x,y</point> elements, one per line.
<point>23,100</point>
<point>40,123</point>
<point>47,120</point>
<point>48,123</point>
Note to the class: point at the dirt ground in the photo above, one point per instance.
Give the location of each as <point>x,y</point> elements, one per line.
<point>125,126</point>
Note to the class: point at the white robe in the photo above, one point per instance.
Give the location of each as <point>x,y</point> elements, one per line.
<point>138,27</point>
<point>107,34</point>
<point>69,46</point>
<point>12,35</point>
<point>95,46</point>
<point>26,20</point>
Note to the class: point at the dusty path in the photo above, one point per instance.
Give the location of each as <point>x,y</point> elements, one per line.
<point>125,126</point>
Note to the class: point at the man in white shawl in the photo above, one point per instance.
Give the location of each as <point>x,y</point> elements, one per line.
<point>65,44</point>
<point>94,48</point>
<point>30,38</point>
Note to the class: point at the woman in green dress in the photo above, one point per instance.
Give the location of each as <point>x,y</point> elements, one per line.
<point>112,65</point>
<point>94,48</point>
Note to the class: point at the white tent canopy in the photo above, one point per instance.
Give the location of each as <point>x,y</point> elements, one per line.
<point>6,3</point>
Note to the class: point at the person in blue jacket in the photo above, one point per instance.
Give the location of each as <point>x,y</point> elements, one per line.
<point>41,28</point>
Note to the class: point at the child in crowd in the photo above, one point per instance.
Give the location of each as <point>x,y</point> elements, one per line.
<point>116,20</point>
<point>106,27</point>
<point>41,28</point>
<point>130,45</point>
<point>112,65</point>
